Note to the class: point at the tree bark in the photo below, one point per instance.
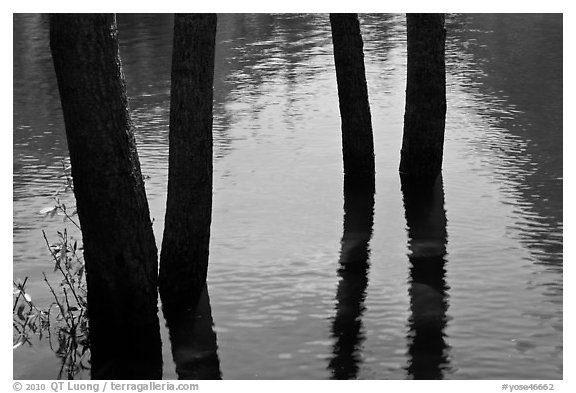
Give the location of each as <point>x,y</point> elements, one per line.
<point>357,139</point>
<point>119,248</point>
<point>424,119</point>
<point>185,245</point>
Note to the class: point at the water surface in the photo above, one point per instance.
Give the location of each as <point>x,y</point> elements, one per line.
<point>466,284</point>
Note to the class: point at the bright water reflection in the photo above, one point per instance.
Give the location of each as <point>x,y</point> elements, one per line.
<point>484,261</point>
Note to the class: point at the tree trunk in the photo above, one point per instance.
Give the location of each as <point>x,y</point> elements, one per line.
<point>357,139</point>
<point>185,245</point>
<point>119,248</point>
<point>424,119</point>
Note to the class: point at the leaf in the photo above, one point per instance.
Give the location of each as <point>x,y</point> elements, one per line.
<point>48,210</point>
<point>20,312</point>
<point>28,297</point>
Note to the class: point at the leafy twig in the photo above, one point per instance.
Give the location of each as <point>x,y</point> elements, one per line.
<point>59,268</point>
<point>56,299</point>
<point>20,289</point>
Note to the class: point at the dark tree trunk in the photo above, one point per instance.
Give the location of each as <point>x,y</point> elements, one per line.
<point>119,248</point>
<point>185,246</point>
<point>357,139</point>
<point>424,119</point>
<point>427,239</point>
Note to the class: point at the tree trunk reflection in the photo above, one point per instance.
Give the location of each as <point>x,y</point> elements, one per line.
<point>427,239</point>
<point>353,272</point>
<point>194,344</point>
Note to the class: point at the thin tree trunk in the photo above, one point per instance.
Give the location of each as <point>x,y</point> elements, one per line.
<point>357,139</point>
<point>185,245</point>
<point>424,119</point>
<point>119,248</point>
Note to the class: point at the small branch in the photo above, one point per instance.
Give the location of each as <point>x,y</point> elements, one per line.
<point>57,302</point>
<point>62,208</point>
<point>59,268</point>
<point>20,288</point>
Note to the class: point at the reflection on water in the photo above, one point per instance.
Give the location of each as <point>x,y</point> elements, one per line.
<point>427,238</point>
<point>513,55</point>
<point>347,328</point>
<point>193,340</point>
<point>277,216</point>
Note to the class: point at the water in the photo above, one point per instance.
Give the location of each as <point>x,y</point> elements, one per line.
<point>282,308</point>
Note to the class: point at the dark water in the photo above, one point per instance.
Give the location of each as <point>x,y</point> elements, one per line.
<point>310,279</point>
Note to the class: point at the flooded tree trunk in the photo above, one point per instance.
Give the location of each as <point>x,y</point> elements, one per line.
<point>119,248</point>
<point>424,119</point>
<point>357,139</point>
<point>185,245</point>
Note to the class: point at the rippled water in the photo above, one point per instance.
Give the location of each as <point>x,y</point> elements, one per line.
<point>491,240</point>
